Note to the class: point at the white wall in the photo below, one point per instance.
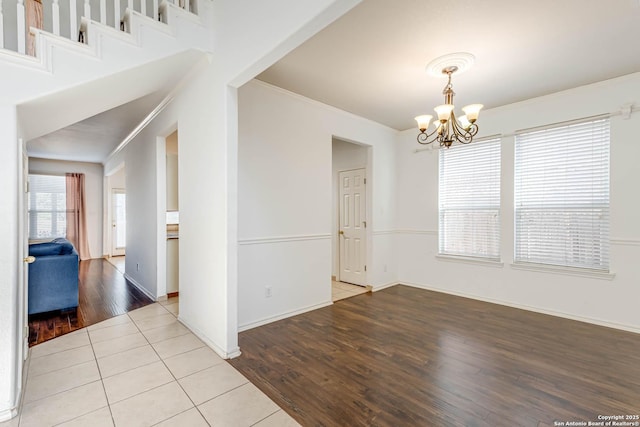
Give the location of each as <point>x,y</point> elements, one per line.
<point>11,253</point>
<point>285,190</point>
<point>344,156</point>
<point>93,191</point>
<point>247,37</point>
<point>610,302</point>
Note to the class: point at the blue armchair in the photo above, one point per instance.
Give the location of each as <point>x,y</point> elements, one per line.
<point>53,276</point>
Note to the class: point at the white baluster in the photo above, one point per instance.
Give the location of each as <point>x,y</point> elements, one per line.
<point>1,27</point>
<point>103,12</point>
<point>73,20</point>
<point>55,11</point>
<point>87,9</point>
<point>156,11</point>
<point>116,14</point>
<point>143,7</point>
<point>22,35</point>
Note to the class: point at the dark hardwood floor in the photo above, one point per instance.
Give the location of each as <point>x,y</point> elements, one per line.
<point>410,357</point>
<point>103,293</point>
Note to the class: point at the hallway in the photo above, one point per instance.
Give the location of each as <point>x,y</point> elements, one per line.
<point>103,293</point>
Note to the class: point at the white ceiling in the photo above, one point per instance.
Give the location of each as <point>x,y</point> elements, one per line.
<point>93,139</point>
<point>87,122</point>
<point>371,61</point>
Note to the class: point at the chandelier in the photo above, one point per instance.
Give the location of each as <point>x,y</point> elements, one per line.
<point>447,128</point>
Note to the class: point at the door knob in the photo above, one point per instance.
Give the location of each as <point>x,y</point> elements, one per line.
<point>341,232</point>
<point>30,259</point>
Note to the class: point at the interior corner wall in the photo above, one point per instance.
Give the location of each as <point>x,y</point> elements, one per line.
<point>344,156</point>
<point>285,200</point>
<point>611,303</point>
<point>93,191</point>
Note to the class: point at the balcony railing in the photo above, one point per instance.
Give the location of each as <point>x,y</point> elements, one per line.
<point>64,17</point>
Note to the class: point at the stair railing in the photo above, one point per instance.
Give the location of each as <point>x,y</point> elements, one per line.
<point>63,17</point>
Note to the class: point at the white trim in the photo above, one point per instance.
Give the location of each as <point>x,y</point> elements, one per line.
<point>219,351</point>
<point>139,286</point>
<point>154,113</point>
<point>283,239</point>
<point>433,147</point>
<point>561,314</point>
<point>7,414</point>
<point>625,242</point>
<point>384,286</point>
<point>416,231</point>
<point>568,271</point>
<point>470,260</point>
<point>382,232</point>
<point>285,315</point>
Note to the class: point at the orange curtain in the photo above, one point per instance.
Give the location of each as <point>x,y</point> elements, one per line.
<point>76,217</point>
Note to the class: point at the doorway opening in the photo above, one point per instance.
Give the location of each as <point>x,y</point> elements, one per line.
<point>119,222</point>
<point>349,214</point>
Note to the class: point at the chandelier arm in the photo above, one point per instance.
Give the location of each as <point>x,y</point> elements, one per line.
<point>462,135</point>
<point>423,137</point>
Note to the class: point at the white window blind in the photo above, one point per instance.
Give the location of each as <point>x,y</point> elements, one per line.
<point>469,200</point>
<point>47,207</point>
<point>562,195</point>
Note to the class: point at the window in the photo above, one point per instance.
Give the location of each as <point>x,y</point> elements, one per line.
<point>562,195</point>
<point>469,200</point>
<point>47,207</point>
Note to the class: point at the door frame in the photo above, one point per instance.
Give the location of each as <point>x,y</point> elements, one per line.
<point>368,166</point>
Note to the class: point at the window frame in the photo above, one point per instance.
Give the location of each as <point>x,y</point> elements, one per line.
<point>55,225</point>
<point>568,206</point>
<point>492,149</point>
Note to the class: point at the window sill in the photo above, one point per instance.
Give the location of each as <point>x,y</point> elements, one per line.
<point>470,260</point>
<point>568,271</point>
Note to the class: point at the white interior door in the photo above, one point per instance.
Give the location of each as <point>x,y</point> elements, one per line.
<point>119,222</point>
<point>352,232</point>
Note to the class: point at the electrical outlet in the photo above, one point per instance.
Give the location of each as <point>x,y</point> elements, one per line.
<point>267,291</point>
<point>137,266</point>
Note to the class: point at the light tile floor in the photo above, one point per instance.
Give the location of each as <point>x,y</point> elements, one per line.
<point>341,290</point>
<point>143,368</point>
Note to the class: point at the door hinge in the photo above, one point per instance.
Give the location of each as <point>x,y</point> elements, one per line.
<point>364,223</point>
<point>365,181</point>
<point>365,268</point>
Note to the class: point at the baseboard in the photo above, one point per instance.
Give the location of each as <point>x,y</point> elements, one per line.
<point>7,414</point>
<point>140,287</point>
<point>333,279</point>
<point>554,313</point>
<point>384,286</point>
<point>216,348</point>
<point>272,319</point>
